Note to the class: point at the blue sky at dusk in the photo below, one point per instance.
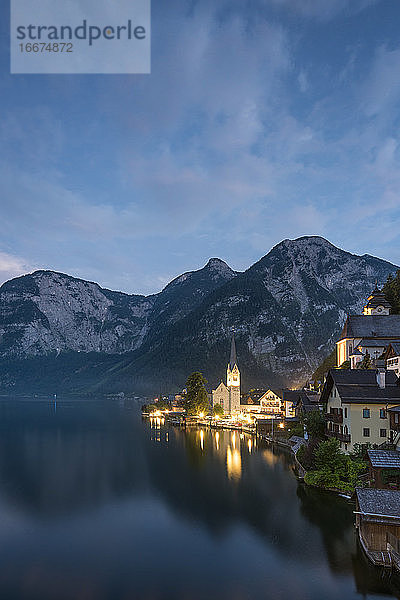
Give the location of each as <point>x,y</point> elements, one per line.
<point>261,120</point>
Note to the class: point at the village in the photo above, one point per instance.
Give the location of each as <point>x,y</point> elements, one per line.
<point>344,432</point>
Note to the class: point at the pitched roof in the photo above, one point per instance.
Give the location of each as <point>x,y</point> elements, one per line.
<point>356,352</point>
<point>372,326</point>
<point>389,459</point>
<point>392,349</point>
<point>255,396</point>
<point>233,358</point>
<point>368,343</point>
<point>361,386</point>
<point>379,502</point>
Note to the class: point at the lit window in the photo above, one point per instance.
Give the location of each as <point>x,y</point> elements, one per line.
<point>366,413</point>
<point>382,413</point>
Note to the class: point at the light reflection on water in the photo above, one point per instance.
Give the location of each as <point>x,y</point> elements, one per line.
<point>96,504</point>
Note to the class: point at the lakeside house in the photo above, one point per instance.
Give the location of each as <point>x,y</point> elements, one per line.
<point>370,333</point>
<point>384,469</point>
<point>357,406</point>
<point>262,402</point>
<point>378,524</point>
<point>392,357</point>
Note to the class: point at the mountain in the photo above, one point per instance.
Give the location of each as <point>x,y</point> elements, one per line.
<point>287,310</point>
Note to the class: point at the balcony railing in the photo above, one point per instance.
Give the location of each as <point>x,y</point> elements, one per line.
<point>394,426</point>
<point>334,417</point>
<point>342,437</point>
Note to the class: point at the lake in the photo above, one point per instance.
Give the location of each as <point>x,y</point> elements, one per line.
<point>97,504</point>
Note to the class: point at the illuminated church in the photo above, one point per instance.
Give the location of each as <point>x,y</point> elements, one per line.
<point>228,396</point>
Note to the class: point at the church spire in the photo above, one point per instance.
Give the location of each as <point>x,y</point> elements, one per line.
<point>233,359</point>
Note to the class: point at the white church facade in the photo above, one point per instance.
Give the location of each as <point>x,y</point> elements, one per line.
<point>228,396</point>
<point>372,332</point>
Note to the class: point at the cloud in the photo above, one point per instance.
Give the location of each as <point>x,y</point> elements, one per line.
<point>12,266</point>
<point>323,9</point>
<point>381,90</point>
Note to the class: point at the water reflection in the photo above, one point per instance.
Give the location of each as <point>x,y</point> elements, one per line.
<point>96,504</point>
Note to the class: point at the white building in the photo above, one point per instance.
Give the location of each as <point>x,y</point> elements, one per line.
<point>371,332</point>
<point>228,396</point>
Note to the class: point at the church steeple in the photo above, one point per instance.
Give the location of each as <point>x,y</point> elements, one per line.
<point>232,372</point>
<point>377,303</point>
<point>233,359</point>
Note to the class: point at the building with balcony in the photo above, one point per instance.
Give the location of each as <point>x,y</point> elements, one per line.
<point>392,358</point>
<point>357,406</point>
<point>265,402</point>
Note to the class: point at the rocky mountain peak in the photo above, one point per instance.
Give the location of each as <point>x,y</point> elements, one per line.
<point>287,310</point>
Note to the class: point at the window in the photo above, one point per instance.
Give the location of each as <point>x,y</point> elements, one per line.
<point>396,418</point>
<point>366,432</point>
<point>366,413</point>
<point>382,413</point>
<point>345,412</point>
<point>383,433</point>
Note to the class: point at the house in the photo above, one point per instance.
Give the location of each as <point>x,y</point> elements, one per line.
<point>392,357</point>
<point>228,396</point>
<point>357,403</point>
<point>265,402</point>
<point>371,332</point>
<point>384,468</point>
<point>289,399</point>
<point>378,524</point>
<point>307,401</point>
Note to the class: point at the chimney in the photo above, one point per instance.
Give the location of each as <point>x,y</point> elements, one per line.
<point>381,378</point>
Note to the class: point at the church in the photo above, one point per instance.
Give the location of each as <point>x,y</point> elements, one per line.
<point>228,396</point>
<point>372,332</point>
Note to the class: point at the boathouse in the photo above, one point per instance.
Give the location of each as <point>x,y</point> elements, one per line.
<point>378,524</point>
<point>384,469</point>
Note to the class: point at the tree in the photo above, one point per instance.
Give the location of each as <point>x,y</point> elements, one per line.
<point>196,395</point>
<point>345,365</point>
<point>334,469</point>
<point>315,424</point>
<point>325,366</point>
<point>218,410</point>
<point>366,362</point>
<point>391,290</point>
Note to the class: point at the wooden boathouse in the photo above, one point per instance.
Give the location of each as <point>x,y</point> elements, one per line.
<point>378,524</point>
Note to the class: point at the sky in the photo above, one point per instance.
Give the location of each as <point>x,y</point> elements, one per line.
<point>261,120</point>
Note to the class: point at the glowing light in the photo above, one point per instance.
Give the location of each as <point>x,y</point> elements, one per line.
<point>217,440</point>
<point>281,425</point>
<point>216,417</point>
<point>202,439</point>
<point>201,415</point>
<point>233,440</point>
<point>249,444</point>
<point>233,463</point>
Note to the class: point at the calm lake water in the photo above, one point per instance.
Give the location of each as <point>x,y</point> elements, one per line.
<point>96,504</point>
